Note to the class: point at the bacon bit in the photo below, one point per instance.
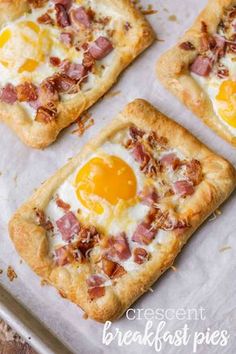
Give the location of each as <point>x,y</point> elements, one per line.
<point>201,66</point>
<point>96,293</point>
<point>42,220</point>
<point>194,172</point>
<point>88,61</point>
<point>112,269</point>
<point>84,122</point>
<point>48,94</point>
<point>45,19</point>
<point>118,272</point>
<point>46,115</point>
<point>187,46</point>
<point>155,141</point>
<point>62,16</point>
<point>222,71</point>
<point>135,133</point>
<point>26,92</point>
<point>55,61</point>
<point>140,255</point>
<point>80,17</point>
<point>61,204</point>
<point>65,84</point>
<point>11,274</point>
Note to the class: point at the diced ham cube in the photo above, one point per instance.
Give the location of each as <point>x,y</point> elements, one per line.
<point>80,17</point>
<point>183,188</point>
<point>100,48</point>
<point>201,66</point>
<point>8,94</point>
<point>144,233</point>
<point>140,255</point>
<point>62,16</point>
<point>68,226</point>
<point>170,160</point>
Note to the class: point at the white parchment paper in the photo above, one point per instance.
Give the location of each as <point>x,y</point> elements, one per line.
<point>204,276</point>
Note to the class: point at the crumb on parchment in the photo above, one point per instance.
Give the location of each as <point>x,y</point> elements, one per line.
<point>1,271</point>
<point>11,274</point>
<point>225,248</point>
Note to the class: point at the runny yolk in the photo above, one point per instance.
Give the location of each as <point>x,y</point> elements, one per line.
<point>227,97</point>
<point>4,37</point>
<point>109,178</point>
<point>29,65</point>
<point>32,25</point>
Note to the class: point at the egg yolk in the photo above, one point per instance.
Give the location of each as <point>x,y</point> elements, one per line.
<point>4,37</point>
<point>109,178</point>
<point>227,98</point>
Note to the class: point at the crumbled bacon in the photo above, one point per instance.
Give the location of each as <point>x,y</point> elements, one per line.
<point>46,114</point>
<point>45,19</point>
<point>69,226</point>
<point>8,94</point>
<point>96,293</point>
<point>194,172</point>
<point>42,220</point>
<point>147,230</point>
<point>48,92</point>
<point>74,71</point>
<point>55,61</point>
<point>65,3</point>
<point>112,269</point>
<point>140,155</point>
<point>88,61</point>
<point>222,71</point>
<point>62,16</point>
<point>61,204</point>
<point>135,133</point>
<point>26,92</point>
<point>187,46</point>
<point>140,255</point>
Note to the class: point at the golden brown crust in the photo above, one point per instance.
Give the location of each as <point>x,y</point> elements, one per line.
<point>128,47</point>
<point>173,69</point>
<point>31,242</point>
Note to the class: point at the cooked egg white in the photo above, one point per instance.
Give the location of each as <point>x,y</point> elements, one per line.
<point>222,93</point>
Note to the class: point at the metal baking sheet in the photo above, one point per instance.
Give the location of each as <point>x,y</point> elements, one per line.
<point>204,274</point>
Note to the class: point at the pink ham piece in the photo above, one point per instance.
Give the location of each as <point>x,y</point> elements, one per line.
<point>183,188</point>
<point>144,233</point>
<point>149,196</point>
<point>68,226</point>
<point>63,256</point>
<point>76,71</point>
<point>8,94</point>
<point>80,17</point>
<point>201,66</point>
<point>66,38</point>
<point>100,48</point>
<point>140,155</point>
<point>62,16</point>
<point>140,255</point>
<point>170,160</point>
<point>119,248</point>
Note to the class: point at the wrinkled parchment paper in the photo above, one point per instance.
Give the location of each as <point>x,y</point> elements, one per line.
<point>205,271</point>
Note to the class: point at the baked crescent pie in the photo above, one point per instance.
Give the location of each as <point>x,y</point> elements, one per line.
<point>201,68</point>
<point>109,223</point>
<point>59,57</point>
